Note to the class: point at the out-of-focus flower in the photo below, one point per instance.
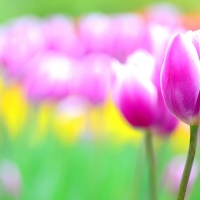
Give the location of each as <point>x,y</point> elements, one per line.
<point>173,174</point>
<point>94,78</point>
<point>10,178</point>
<point>135,94</point>
<point>139,97</point>
<point>48,76</point>
<point>180,80</point>
<point>61,36</point>
<point>127,31</point>
<point>23,40</point>
<point>13,116</point>
<point>94,31</point>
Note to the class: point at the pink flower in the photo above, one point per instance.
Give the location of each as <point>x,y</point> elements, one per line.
<point>134,92</point>
<point>23,40</point>
<point>138,96</point>
<point>127,31</point>
<point>94,31</point>
<point>180,80</point>
<point>61,36</point>
<point>94,78</point>
<point>49,76</point>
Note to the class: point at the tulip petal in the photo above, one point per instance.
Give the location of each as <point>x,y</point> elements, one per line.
<point>137,100</point>
<point>180,79</point>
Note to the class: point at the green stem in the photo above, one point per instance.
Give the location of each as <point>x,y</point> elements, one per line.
<point>151,160</point>
<point>189,162</point>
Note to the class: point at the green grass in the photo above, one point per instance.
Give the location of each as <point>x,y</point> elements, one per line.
<point>85,170</point>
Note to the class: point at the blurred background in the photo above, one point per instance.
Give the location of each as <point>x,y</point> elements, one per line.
<point>62,135</point>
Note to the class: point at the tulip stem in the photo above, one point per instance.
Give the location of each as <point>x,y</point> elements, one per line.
<point>189,162</point>
<point>151,160</point>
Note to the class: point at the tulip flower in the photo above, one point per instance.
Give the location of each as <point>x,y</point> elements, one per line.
<point>23,40</point>
<point>136,97</point>
<point>180,85</point>
<point>93,78</point>
<point>163,122</point>
<point>127,34</point>
<point>48,76</point>
<point>60,35</point>
<point>134,92</point>
<point>95,33</point>
<point>178,74</point>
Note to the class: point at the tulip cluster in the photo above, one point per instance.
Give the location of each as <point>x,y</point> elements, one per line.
<point>99,55</point>
<point>50,56</point>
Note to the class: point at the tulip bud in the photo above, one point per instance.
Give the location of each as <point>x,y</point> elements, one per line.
<point>180,80</point>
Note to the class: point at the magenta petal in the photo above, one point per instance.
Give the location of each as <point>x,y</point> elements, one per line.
<point>180,79</point>
<point>136,98</point>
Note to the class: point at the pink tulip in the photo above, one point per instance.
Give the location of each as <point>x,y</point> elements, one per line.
<point>93,78</point>
<point>23,40</point>
<point>174,171</point>
<point>134,92</point>
<point>138,95</point>
<point>127,31</point>
<point>95,33</point>
<point>61,36</point>
<point>49,76</point>
<point>180,77</point>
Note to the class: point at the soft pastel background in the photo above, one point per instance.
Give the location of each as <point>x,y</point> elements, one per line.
<point>54,158</point>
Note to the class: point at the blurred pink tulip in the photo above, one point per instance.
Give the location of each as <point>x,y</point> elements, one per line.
<point>127,30</point>
<point>95,33</point>
<point>139,97</point>
<point>180,80</point>
<point>134,92</point>
<point>94,77</point>
<point>61,36</point>
<point>49,76</point>
<point>173,174</point>
<point>23,40</point>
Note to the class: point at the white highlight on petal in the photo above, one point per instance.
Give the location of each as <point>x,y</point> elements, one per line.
<point>57,68</point>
